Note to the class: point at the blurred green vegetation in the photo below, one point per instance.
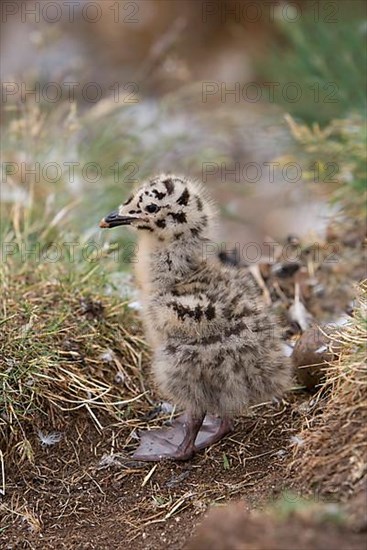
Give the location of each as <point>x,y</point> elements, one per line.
<point>64,203</point>
<point>319,62</point>
<point>336,156</point>
<point>127,143</point>
<point>290,504</point>
<point>95,157</point>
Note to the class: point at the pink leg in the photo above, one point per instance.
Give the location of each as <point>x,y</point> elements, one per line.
<point>183,439</point>
<point>213,434</point>
<point>186,449</point>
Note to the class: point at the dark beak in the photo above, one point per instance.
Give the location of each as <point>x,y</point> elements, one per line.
<point>114,219</point>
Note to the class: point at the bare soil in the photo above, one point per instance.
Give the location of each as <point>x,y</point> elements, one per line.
<point>81,499</point>
<point>76,502</point>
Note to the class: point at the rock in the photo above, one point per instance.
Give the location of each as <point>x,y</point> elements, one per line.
<point>312,353</point>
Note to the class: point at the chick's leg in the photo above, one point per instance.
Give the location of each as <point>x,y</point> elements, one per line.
<point>213,430</point>
<point>191,426</point>
<point>189,433</point>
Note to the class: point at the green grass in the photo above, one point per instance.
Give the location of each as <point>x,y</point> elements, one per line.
<point>56,328</point>
<point>325,56</point>
<point>335,157</point>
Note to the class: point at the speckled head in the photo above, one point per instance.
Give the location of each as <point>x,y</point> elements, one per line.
<point>168,207</point>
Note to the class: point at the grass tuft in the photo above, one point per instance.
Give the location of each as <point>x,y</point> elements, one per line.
<point>333,456</point>
<point>64,347</point>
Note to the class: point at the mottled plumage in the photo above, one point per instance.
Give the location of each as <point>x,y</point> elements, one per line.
<point>216,349</point>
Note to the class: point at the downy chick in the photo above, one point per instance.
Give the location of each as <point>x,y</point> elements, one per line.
<point>216,349</point>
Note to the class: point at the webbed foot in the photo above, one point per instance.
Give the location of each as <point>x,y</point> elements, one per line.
<point>182,439</point>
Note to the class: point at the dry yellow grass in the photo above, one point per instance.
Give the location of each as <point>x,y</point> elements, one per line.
<point>333,454</point>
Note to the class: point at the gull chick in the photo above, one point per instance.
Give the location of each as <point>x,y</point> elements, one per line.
<point>217,350</point>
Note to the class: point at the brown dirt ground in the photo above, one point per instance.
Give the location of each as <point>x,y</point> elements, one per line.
<point>73,502</point>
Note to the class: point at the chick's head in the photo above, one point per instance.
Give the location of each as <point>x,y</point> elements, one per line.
<point>167,206</point>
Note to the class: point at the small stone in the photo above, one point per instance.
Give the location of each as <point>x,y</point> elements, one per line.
<point>312,354</point>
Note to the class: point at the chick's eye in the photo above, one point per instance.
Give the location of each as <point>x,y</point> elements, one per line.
<point>151,208</point>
